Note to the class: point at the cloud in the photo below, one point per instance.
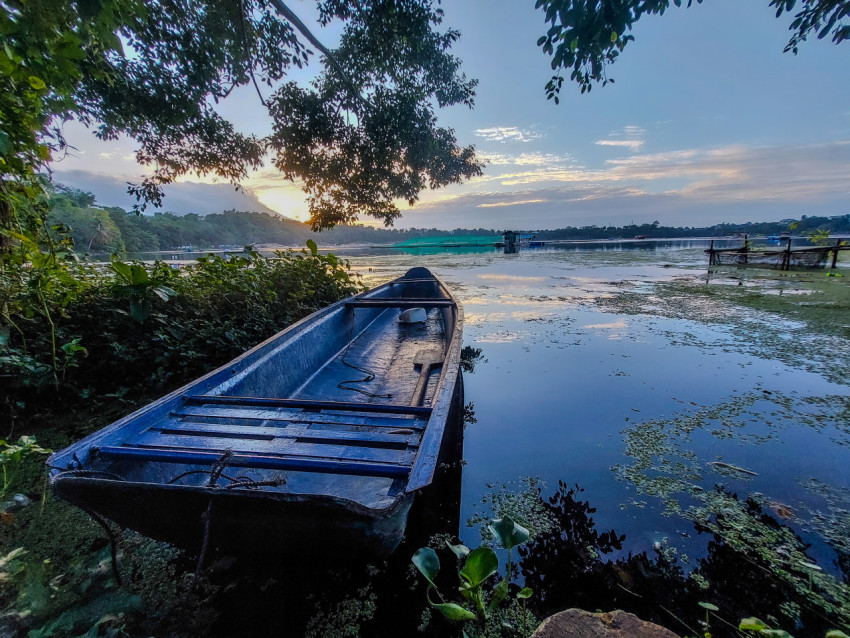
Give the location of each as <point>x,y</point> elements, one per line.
<point>631,137</point>
<point>507,134</point>
<point>528,159</point>
<point>517,203</point>
<point>690,187</point>
<point>632,144</point>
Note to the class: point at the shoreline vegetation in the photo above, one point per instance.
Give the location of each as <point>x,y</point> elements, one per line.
<point>109,230</point>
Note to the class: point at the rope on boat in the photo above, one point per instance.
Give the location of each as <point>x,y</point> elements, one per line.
<point>217,468</point>
<point>370,375</point>
<point>206,518</point>
<point>113,544</point>
<point>180,476</point>
<point>216,471</point>
<point>84,473</point>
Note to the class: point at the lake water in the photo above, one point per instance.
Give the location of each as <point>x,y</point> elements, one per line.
<point>597,370</point>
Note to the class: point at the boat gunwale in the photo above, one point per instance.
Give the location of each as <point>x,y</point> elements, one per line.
<point>425,463</point>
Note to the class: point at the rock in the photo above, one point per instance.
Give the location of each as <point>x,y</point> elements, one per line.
<point>19,501</point>
<point>577,623</point>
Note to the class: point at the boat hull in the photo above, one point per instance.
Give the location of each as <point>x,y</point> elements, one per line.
<point>276,449</point>
<point>238,521</point>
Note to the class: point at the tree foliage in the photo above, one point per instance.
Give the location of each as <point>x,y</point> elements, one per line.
<point>587,36</point>
<point>361,135</point>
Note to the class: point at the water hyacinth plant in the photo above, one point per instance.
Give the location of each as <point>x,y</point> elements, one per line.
<point>479,565</point>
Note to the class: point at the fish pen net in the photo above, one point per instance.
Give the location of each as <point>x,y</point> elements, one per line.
<point>773,259</point>
<point>450,240</point>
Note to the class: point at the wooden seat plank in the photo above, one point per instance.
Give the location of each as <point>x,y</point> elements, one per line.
<point>376,439</point>
<point>305,404</point>
<point>277,446</point>
<point>271,462</point>
<point>400,303</point>
<point>299,416</point>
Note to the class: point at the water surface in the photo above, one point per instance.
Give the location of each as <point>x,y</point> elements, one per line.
<point>586,376</point>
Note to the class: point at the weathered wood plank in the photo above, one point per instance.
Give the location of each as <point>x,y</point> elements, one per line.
<point>255,461</point>
<point>399,303</point>
<point>297,416</point>
<point>265,433</point>
<point>277,446</point>
<point>306,404</point>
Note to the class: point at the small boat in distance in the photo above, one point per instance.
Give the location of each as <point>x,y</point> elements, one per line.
<point>321,434</point>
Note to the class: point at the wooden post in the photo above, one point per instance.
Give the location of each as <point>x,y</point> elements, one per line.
<point>744,250</point>
<point>835,253</point>
<point>711,253</point>
<point>786,258</point>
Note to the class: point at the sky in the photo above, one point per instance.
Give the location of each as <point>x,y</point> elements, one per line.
<point>708,121</point>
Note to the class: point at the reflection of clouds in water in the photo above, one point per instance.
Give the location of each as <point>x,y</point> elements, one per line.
<point>520,279</point>
<point>620,323</point>
<point>475,301</point>
<point>502,336</point>
<point>532,315</point>
<point>478,318</point>
<point>618,329</point>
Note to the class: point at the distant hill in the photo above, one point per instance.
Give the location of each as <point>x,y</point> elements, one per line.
<point>181,198</point>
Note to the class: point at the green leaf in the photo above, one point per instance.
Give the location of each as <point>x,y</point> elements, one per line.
<point>836,633</point>
<point>614,36</point>
<point>709,606</point>
<point>776,633</point>
<point>460,550</point>
<point>37,83</point>
<point>122,269</point>
<point>140,309</point>
<point>314,249</point>
<point>500,593</point>
<point>138,274</point>
<point>480,565</point>
<point>426,561</point>
<point>525,592</point>
<point>73,347</point>
<point>751,624</point>
<point>163,292</point>
<point>453,611</point>
<point>509,532</point>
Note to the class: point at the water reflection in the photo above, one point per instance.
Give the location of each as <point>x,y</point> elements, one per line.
<point>572,566</point>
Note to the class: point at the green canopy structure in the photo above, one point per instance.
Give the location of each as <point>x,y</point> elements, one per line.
<point>450,240</point>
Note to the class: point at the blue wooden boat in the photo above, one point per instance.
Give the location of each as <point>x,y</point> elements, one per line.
<point>325,432</point>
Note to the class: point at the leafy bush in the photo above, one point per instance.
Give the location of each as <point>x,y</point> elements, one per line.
<point>71,331</point>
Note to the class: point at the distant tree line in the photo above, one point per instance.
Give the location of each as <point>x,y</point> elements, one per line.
<point>107,230</point>
<point>806,224</point>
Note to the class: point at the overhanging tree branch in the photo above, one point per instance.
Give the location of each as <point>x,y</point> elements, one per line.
<point>295,21</point>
